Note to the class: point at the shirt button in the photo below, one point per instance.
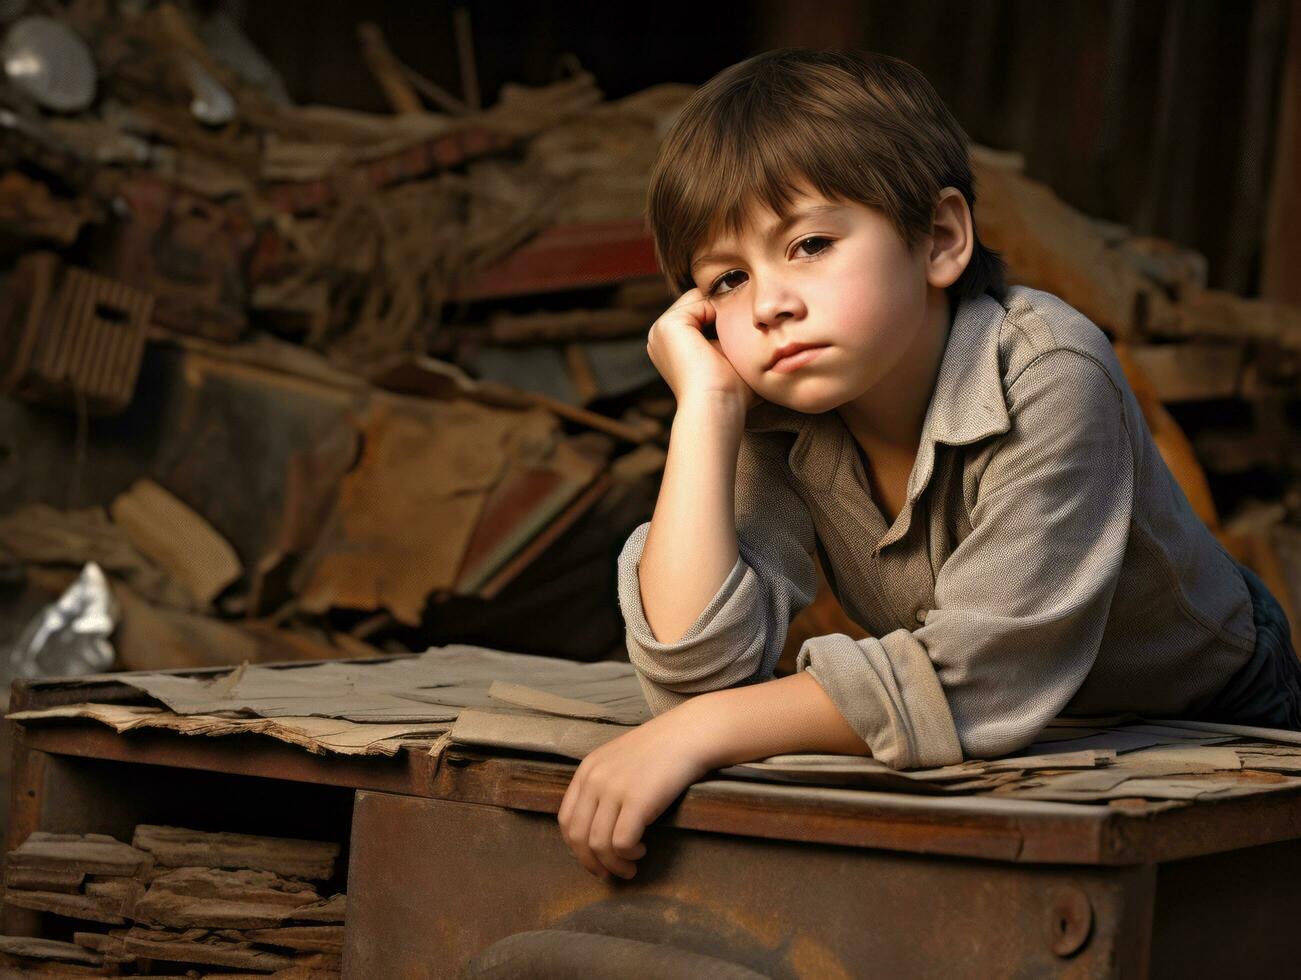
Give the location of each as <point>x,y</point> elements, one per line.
<point>920,615</point>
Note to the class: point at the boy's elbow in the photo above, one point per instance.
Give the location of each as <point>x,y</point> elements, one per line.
<point>660,699</point>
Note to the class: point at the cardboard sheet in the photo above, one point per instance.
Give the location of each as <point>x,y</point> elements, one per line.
<point>463,695</point>
<point>320,735</point>
<point>430,687</point>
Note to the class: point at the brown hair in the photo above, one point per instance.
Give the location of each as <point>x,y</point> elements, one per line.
<point>858,126</point>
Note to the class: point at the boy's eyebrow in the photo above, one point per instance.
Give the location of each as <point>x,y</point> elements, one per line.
<point>786,222</point>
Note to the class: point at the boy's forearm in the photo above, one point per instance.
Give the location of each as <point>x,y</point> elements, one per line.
<point>691,545</point>
<point>788,714</point>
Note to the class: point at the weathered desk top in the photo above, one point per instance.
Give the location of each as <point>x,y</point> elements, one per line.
<point>1122,831</point>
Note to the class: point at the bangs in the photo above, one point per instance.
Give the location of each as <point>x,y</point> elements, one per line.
<point>852,127</point>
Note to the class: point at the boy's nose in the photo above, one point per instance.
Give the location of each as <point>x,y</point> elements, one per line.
<point>773,305</point>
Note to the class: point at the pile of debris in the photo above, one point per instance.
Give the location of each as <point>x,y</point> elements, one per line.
<point>182,900</point>
<point>293,269</point>
<point>398,361</point>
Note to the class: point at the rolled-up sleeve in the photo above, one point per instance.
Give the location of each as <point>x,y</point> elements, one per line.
<point>1022,602</point>
<point>738,637</point>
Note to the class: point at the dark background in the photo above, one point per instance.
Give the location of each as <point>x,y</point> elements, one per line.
<point>1159,115</point>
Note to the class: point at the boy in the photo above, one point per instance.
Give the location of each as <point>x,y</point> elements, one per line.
<point>966,460</point>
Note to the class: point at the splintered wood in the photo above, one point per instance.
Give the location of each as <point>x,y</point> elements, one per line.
<point>185,900</point>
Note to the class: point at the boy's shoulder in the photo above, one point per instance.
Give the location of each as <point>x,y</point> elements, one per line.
<point>1038,323</point>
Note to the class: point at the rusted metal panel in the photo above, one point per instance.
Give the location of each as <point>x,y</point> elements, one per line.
<point>435,883</point>
<point>1229,915</point>
<point>569,257</point>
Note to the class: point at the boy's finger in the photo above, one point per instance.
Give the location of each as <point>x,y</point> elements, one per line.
<point>628,831</point>
<point>579,829</point>
<point>701,309</point>
<point>690,296</point>
<point>567,804</point>
<point>599,840</point>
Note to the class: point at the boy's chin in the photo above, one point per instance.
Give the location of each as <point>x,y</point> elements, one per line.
<point>808,400</point>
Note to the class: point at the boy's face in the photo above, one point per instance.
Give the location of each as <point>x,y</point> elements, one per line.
<point>836,280</point>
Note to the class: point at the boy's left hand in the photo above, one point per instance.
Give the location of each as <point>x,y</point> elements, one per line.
<point>621,787</point>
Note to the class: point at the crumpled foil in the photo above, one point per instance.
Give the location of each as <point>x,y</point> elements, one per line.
<point>70,636</point>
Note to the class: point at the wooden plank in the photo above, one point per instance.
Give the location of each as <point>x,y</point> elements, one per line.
<point>89,854</point>
<point>209,898</point>
<point>176,847</point>
<point>1192,371</point>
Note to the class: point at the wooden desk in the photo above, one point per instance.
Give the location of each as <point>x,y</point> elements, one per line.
<point>450,859</point>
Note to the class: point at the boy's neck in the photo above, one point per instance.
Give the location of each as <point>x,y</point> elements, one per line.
<point>888,418</point>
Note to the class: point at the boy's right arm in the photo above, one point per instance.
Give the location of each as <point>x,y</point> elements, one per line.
<point>691,546</point>
<point>726,561</point>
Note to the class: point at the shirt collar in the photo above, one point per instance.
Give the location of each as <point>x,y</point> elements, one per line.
<point>967,404</point>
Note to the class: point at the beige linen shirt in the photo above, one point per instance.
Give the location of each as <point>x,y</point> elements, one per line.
<point>1045,562</point>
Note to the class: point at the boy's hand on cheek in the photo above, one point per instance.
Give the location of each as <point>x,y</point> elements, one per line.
<point>621,787</point>
<point>689,362</point>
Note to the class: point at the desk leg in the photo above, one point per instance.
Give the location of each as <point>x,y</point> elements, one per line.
<point>26,794</point>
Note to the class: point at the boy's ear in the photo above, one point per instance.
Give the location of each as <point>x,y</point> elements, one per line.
<point>952,239</point>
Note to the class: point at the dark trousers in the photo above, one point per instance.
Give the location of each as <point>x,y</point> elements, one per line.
<point>1266,690</point>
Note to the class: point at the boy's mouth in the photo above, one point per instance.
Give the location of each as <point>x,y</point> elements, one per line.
<point>793,356</point>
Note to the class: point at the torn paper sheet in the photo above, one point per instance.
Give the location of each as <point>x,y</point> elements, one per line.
<point>430,687</point>
<point>631,710</point>
<point>319,735</point>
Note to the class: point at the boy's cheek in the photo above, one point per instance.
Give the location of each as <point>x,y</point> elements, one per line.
<point>742,355</point>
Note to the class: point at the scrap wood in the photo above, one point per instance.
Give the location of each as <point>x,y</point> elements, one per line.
<point>311,966</point>
<point>606,153</point>
<point>523,111</point>
<point>47,949</point>
<point>393,257</point>
<point>1192,371</point>
<point>77,339</point>
<point>197,897</point>
<point>175,847</point>
<point>66,880</point>
<point>1050,245</point>
<point>108,944</point>
<point>178,539</point>
<point>41,534</point>
<point>92,908</point>
<point>329,910</point>
<point>1214,313</point>
<point>94,854</point>
<point>314,939</point>
<point>116,892</point>
<point>432,378</point>
<point>154,638</point>
<point>201,946</point>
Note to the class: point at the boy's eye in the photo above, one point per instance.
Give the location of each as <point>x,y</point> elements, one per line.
<point>813,245</point>
<point>820,242</point>
<point>716,287</point>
